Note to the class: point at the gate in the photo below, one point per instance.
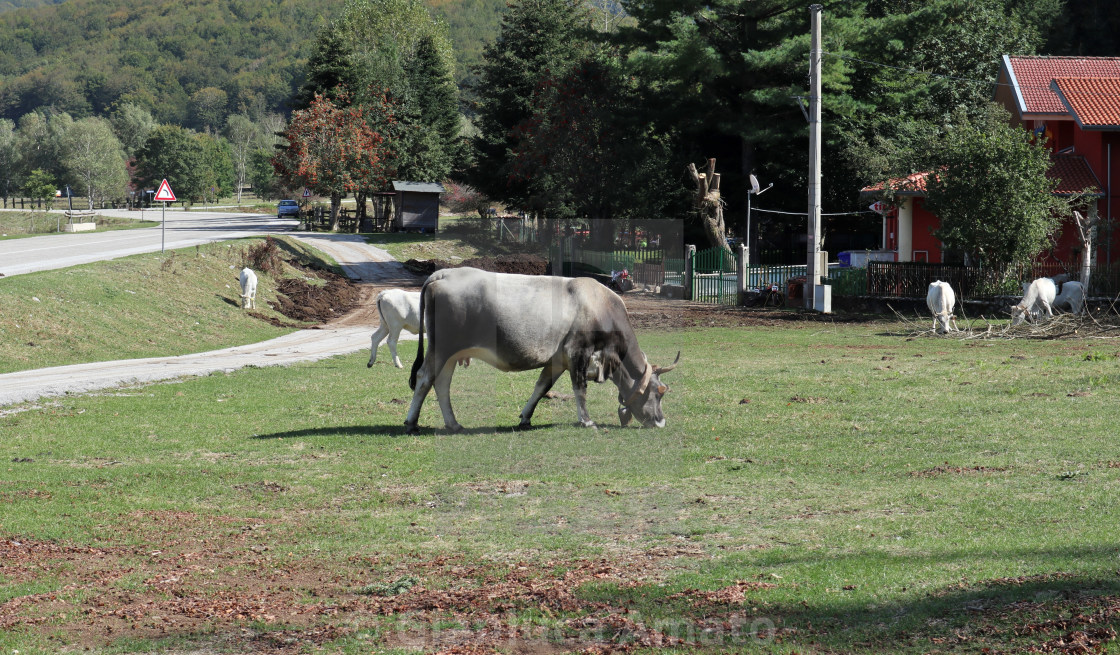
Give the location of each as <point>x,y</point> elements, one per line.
<point>713,277</point>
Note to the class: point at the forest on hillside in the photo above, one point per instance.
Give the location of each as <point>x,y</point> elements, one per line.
<point>87,57</point>
<point>573,108</point>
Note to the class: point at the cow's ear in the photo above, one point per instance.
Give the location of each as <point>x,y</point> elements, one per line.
<point>661,389</point>
<point>611,362</point>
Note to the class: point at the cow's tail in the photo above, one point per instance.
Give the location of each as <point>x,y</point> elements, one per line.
<point>419,348</point>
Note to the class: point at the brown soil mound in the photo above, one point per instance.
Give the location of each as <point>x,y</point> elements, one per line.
<point>519,263</point>
<point>305,302</point>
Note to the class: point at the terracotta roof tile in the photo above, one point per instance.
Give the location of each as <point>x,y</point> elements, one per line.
<point>1093,101</point>
<point>1033,76</point>
<point>1073,174</point>
<point>913,184</point>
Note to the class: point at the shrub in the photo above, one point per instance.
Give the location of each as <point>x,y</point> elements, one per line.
<point>264,257</point>
<point>463,198</point>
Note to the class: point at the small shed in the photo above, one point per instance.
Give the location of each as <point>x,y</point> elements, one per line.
<point>417,206</point>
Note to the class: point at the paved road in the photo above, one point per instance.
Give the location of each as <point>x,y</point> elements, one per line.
<point>182,230</point>
<point>360,260</point>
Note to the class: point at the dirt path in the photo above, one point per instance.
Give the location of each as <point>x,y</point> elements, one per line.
<point>373,267</point>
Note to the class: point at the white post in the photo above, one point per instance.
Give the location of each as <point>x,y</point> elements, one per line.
<point>747,240</point>
<point>812,272</point>
<point>162,226</point>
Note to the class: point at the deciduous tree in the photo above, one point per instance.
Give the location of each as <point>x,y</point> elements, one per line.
<point>173,153</point>
<point>9,158</point>
<point>94,160</point>
<point>40,186</point>
<point>992,195</point>
<point>132,123</point>
<point>333,151</point>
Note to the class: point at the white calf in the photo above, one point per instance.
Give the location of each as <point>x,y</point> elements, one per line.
<point>1037,296</point>
<point>940,299</point>
<point>248,288</point>
<point>399,310</point>
<point>1072,297</point>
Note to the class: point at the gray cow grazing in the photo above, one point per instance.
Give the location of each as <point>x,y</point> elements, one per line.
<point>524,322</point>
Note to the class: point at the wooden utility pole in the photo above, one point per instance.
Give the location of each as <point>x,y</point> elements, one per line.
<point>812,274</point>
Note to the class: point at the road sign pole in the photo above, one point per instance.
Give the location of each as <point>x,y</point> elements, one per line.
<point>164,195</point>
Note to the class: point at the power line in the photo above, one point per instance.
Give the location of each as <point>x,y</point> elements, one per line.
<point>774,211</point>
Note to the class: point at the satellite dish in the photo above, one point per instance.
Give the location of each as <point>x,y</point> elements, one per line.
<point>754,184</point>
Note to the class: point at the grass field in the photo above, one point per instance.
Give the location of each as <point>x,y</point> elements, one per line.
<point>25,224</point>
<point>149,305</point>
<point>819,488</point>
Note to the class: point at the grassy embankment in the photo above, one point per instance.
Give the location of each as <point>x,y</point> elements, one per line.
<point>857,490</point>
<point>149,305</point>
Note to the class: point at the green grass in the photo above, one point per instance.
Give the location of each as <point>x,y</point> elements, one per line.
<point>14,225</point>
<point>899,495</point>
<point>148,305</point>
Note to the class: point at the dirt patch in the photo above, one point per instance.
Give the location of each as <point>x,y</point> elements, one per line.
<point>223,577</point>
<point>650,311</point>
<point>957,470</point>
<point>316,298</point>
<point>523,264</point>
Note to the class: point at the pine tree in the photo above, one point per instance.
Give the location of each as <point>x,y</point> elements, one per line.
<point>329,69</point>
<point>537,38</point>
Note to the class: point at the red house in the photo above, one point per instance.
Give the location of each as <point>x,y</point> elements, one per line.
<point>1074,102</point>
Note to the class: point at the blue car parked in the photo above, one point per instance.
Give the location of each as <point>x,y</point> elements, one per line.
<point>287,208</point>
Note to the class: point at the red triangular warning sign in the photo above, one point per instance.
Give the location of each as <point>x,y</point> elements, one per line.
<point>165,194</point>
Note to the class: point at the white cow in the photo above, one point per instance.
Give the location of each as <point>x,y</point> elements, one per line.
<point>1072,297</point>
<point>1037,296</point>
<point>941,301</point>
<point>248,288</point>
<point>399,310</point>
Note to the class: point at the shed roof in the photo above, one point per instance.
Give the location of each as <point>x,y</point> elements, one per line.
<point>913,184</point>
<point>1094,102</point>
<point>1030,78</point>
<point>1074,175</point>
<point>417,187</point>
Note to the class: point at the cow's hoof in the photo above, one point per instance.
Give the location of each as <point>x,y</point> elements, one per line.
<point>455,429</point>
<point>411,428</point>
<point>587,424</point>
<point>525,424</point>
<point>369,364</point>
<point>398,364</point>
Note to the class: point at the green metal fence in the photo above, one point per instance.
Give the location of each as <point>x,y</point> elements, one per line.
<point>713,277</point>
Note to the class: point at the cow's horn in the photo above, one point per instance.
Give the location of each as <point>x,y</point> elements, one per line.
<point>665,369</point>
<point>646,376</point>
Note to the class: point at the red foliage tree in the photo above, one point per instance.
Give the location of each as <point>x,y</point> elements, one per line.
<point>334,149</point>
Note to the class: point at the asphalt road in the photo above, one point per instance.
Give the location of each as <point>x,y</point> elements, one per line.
<point>181,230</point>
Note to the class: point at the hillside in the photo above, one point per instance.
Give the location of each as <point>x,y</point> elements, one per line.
<point>8,5</point>
<point>83,56</point>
